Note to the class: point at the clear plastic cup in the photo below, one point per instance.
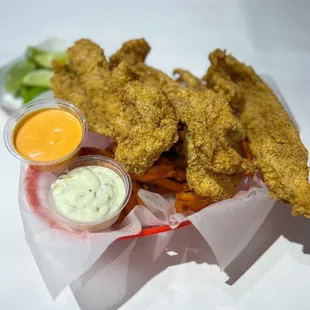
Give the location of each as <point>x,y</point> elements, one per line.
<point>102,223</point>
<point>34,106</point>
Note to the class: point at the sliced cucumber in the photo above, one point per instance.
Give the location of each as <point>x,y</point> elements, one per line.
<point>45,59</point>
<point>39,78</point>
<point>15,75</point>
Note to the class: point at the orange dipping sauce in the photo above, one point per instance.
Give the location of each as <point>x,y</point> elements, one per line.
<point>47,135</point>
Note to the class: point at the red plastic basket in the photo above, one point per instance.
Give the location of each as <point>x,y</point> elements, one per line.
<point>31,185</point>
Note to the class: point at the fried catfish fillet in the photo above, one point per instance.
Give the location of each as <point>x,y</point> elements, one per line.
<point>206,183</point>
<point>207,116</point>
<point>139,117</point>
<point>274,140</point>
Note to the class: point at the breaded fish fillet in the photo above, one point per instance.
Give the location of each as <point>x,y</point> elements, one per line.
<point>139,117</point>
<point>274,140</point>
<point>216,186</point>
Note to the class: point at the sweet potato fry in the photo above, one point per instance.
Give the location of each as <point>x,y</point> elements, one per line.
<point>134,199</point>
<point>190,201</point>
<point>155,172</point>
<point>112,147</point>
<point>121,217</point>
<point>94,151</point>
<point>160,190</point>
<point>179,161</point>
<point>162,169</point>
<point>181,135</point>
<point>163,161</point>
<point>171,185</point>
<point>179,174</point>
<point>132,202</point>
<point>135,189</point>
<point>246,151</point>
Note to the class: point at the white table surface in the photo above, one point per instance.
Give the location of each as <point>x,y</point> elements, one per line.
<point>273,272</point>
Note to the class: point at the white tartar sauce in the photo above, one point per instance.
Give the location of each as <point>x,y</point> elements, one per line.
<point>87,194</point>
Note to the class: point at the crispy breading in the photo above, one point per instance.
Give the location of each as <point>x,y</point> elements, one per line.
<point>139,117</point>
<point>187,79</point>
<point>206,183</point>
<point>274,140</point>
<point>132,52</point>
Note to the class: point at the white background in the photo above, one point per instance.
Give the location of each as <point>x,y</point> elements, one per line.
<point>273,271</point>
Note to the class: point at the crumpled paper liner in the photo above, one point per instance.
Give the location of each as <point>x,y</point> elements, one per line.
<point>64,256</point>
